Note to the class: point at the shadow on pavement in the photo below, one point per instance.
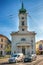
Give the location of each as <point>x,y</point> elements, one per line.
<point>5,63</point>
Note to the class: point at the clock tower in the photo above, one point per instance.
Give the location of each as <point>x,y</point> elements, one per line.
<point>22,19</point>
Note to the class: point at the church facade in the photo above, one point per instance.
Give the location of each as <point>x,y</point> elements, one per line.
<point>23,41</point>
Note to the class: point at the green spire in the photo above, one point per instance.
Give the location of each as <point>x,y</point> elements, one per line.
<point>22,5</point>
<point>22,10</point>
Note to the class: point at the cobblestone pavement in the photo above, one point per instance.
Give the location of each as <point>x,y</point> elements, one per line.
<point>39,61</point>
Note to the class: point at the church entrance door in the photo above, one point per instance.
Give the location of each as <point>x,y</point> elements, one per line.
<point>23,50</point>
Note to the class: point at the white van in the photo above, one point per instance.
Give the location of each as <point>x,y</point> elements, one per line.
<point>16,57</point>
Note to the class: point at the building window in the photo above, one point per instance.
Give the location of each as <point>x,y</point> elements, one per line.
<point>22,29</point>
<point>0,52</point>
<point>22,23</point>
<point>22,17</point>
<point>32,52</point>
<point>31,41</point>
<point>1,40</point>
<point>23,39</point>
<point>1,45</point>
<point>32,46</point>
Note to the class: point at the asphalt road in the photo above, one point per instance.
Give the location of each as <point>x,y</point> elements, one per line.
<point>38,61</point>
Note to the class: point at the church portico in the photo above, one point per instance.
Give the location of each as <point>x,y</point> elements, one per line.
<point>24,48</point>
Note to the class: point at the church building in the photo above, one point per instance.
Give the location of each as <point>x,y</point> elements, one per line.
<point>23,41</point>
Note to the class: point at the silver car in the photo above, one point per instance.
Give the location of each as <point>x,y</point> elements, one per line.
<point>16,57</point>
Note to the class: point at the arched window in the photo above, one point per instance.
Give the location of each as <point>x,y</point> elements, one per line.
<point>22,17</point>
<point>22,29</point>
<point>22,23</point>
<point>23,39</point>
<point>40,47</point>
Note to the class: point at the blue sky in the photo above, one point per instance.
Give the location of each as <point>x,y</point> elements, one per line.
<point>9,20</point>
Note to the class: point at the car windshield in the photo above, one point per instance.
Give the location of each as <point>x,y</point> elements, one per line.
<point>14,56</point>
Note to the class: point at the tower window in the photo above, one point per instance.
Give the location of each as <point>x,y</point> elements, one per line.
<point>22,29</point>
<point>22,17</point>
<point>23,23</point>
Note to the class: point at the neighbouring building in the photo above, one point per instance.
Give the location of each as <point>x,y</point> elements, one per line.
<point>23,41</point>
<point>4,42</point>
<point>39,47</point>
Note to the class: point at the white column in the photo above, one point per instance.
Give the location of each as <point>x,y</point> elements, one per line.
<point>26,51</point>
<point>19,49</point>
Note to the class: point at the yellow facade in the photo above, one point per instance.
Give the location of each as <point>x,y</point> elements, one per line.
<point>39,47</point>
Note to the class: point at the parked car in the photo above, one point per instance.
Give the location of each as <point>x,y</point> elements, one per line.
<point>16,57</point>
<point>28,59</point>
<point>31,57</point>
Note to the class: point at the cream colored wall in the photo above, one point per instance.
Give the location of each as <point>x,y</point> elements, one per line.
<point>4,43</point>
